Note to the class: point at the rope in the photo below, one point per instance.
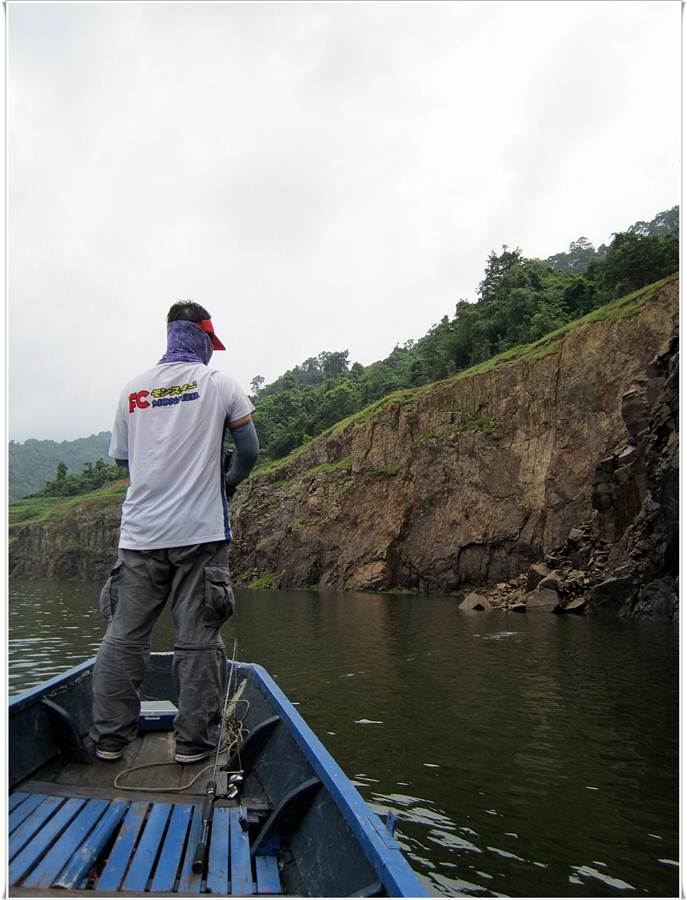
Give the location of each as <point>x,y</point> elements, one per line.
<point>235,735</point>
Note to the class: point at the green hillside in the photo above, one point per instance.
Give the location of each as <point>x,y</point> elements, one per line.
<point>34,462</point>
<point>35,509</point>
<point>520,303</point>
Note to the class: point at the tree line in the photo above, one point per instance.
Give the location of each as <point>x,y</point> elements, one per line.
<point>518,301</point>
<point>93,476</point>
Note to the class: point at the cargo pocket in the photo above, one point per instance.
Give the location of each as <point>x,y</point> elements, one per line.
<point>219,597</point>
<point>108,595</point>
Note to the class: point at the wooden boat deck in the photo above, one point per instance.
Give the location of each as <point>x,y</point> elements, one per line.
<point>300,829</point>
<point>71,829</point>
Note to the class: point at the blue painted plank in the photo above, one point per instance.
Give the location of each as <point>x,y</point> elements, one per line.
<point>15,799</point>
<point>241,878</point>
<point>189,882</point>
<point>79,865</point>
<point>170,857</point>
<point>37,846</point>
<point>144,857</point>
<point>72,837</point>
<point>267,875</point>
<point>218,853</point>
<point>115,867</point>
<point>20,838</point>
<point>21,812</point>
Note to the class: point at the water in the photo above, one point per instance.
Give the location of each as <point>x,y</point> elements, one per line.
<point>525,755</point>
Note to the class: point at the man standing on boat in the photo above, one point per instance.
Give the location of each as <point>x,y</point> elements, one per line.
<point>169,430</point>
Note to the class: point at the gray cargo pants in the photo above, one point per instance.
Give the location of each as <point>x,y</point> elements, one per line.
<point>196,580</point>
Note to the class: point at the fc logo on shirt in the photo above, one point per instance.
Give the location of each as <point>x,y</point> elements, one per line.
<point>164,396</point>
<point>137,400</point>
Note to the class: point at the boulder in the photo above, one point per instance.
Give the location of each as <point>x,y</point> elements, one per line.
<point>578,605</point>
<point>543,600</point>
<point>612,591</point>
<point>659,598</point>
<point>575,578</point>
<point>477,602</point>
<point>535,573</point>
<point>551,581</point>
<point>576,536</point>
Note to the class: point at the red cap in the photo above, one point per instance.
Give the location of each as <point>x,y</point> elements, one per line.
<point>206,325</point>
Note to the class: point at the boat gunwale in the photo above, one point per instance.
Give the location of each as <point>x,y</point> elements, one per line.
<point>24,700</point>
<point>379,845</point>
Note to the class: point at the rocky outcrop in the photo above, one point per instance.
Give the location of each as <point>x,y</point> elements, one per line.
<point>554,458</point>
<point>624,558</point>
<point>468,482</point>
<point>630,548</point>
<point>79,544</point>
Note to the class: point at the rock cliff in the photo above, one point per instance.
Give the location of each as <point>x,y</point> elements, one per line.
<point>81,542</point>
<point>466,482</point>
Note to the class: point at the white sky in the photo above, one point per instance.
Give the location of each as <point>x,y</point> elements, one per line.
<point>320,176</point>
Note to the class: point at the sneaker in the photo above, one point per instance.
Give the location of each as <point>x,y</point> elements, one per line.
<point>185,758</point>
<point>109,751</point>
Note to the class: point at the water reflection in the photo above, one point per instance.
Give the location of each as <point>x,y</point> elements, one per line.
<point>536,758</point>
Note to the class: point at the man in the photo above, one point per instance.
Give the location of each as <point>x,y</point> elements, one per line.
<point>169,430</point>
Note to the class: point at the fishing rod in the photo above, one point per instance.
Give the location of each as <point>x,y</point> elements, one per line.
<point>211,790</point>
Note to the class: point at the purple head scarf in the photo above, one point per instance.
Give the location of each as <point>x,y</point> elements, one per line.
<point>186,342</point>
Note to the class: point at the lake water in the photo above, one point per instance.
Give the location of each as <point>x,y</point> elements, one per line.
<point>525,755</point>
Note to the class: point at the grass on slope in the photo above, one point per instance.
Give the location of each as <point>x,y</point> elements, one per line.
<point>31,510</point>
<point>621,308</point>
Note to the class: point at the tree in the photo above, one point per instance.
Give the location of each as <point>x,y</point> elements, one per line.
<point>256,385</point>
<point>634,260</point>
<point>578,258</point>
<point>497,268</point>
<point>333,364</point>
<point>60,472</point>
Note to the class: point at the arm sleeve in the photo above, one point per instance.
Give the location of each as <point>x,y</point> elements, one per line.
<point>247,448</point>
<point>119,443</point>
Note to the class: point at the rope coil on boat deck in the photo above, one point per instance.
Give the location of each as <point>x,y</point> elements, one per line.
<point>235,732</point>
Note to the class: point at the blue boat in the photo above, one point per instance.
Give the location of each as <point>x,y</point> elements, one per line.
<point>295,826</point>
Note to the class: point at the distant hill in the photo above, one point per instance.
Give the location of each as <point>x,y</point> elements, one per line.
<point>33,462</point>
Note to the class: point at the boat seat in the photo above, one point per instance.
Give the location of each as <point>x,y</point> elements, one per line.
<point>82,844</point>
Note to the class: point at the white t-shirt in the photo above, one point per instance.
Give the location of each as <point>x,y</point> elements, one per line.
<point>170,426</point>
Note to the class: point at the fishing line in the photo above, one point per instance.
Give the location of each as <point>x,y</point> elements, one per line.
<point>201,853</point>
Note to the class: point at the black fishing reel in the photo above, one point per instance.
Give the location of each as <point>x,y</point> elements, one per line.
<point>235,786</point>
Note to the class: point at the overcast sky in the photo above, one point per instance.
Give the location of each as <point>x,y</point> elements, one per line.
<point>321,176</point>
